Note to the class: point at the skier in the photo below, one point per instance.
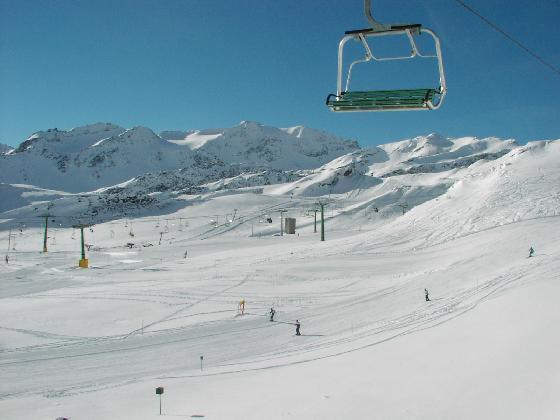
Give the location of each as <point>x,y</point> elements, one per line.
<point>186,253</point>
<point>297,324</point>
<point>531,252</point>
<point>427,295</point>
<point>272,313</point>
<point>241,307</point>
<point>7,259</point>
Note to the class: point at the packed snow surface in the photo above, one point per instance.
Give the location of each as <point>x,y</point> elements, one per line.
<point>159,304</point>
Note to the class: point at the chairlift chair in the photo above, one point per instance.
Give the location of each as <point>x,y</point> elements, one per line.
<point>346,100</point>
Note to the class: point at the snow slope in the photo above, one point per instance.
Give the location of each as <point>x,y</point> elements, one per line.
<point>435,153</point>
<point>17,196</point>
<point>256,145</point>
<point>164,285</point>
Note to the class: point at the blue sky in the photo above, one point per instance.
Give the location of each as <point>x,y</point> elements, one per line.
<point>186,64</point>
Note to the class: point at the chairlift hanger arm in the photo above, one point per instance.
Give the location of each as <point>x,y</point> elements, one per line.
<point>376,26</point>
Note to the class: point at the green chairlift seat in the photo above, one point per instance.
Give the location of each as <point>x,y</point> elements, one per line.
<point>383,100</point>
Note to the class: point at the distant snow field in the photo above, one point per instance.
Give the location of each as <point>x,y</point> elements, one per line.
<point>174,249</point>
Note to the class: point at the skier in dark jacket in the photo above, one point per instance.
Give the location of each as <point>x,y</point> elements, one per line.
<point>297,327</point>
<point>272,313</point>
<point>427,295</point>
<point>531,252</point>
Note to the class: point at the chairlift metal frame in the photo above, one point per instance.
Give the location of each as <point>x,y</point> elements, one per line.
<point>386,100</point>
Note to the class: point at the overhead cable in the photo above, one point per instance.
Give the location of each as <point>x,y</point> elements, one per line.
<point>511,38</point>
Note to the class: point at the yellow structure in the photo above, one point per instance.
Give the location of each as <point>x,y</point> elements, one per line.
<point>84,263</point>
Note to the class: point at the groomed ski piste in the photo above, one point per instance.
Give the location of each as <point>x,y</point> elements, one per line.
<point>95,343</point>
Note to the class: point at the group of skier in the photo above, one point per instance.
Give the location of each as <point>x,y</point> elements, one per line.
<point>272,312</point>
<point>297,324</point>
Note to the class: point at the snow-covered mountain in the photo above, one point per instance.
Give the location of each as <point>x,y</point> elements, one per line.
<point>435,153</point>
<point>103,154</point>
<point>4,148</point>
<point>253,144</point>
<point>135,171</point>
<point>89,157</point>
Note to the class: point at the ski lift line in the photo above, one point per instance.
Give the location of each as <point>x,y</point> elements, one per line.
<point>142,220</point>
<point>287,204</point>
<point>508,36</point>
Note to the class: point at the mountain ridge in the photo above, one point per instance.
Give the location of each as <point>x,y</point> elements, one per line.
<point>114,171</point>
<point>102,154</point>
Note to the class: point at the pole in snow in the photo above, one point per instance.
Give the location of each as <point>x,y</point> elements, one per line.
<point>10,234</point>
<point>45,234</point>
<point>159,391</point>
<point>10,240</point>
<point>46,216</point>
<point>322,205</point>
<point>315,220</point>
<point>84,263</point>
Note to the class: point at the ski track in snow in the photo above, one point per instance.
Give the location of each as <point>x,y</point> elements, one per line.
<point>73,352</point>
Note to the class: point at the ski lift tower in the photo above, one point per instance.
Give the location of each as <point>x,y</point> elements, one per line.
<point>315,210</point>
<point>322,205</point>
<point>84,262</point>
<point>46,217</point>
